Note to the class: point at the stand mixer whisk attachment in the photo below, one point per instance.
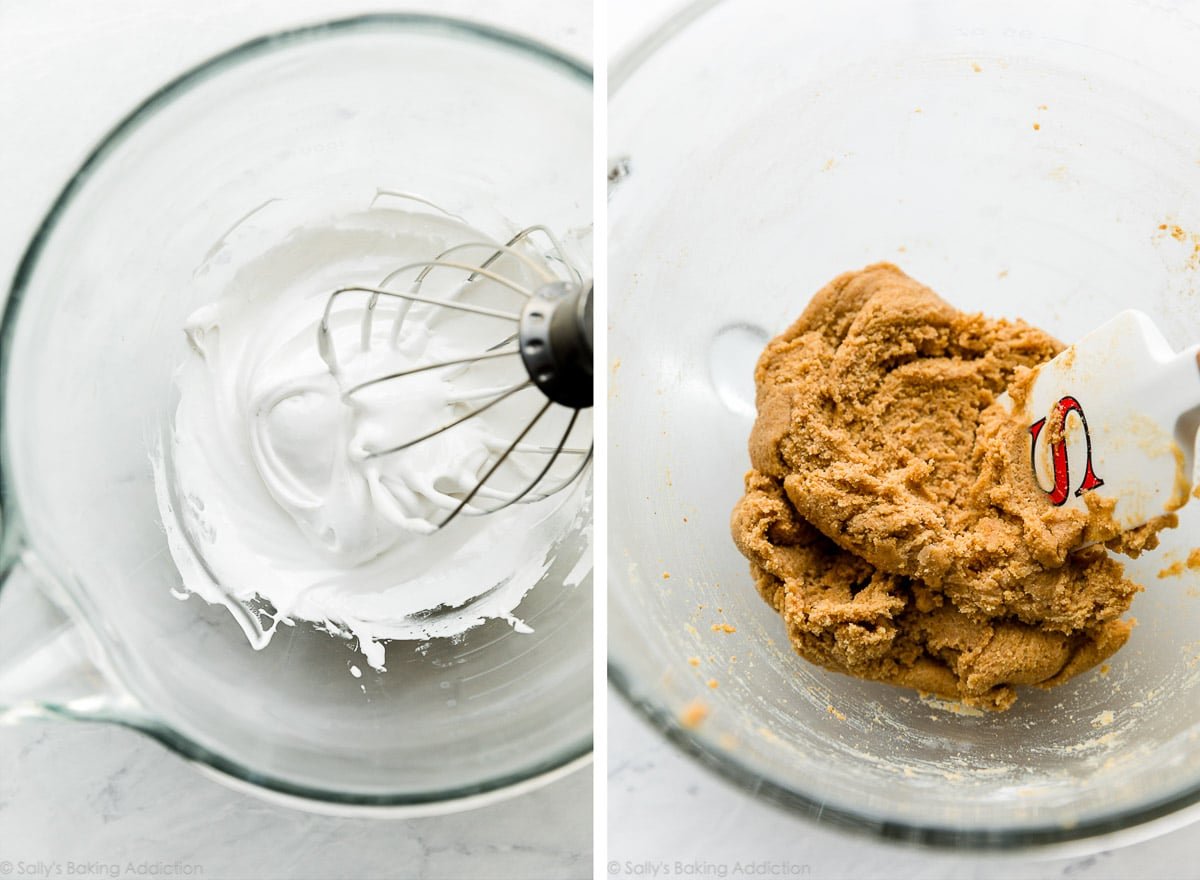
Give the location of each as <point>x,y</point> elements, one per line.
<point>492,353</point>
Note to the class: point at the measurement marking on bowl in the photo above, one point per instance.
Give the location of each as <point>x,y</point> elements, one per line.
<point>731,358</point>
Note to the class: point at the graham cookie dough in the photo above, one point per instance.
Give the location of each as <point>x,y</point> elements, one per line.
<point>890,515</point>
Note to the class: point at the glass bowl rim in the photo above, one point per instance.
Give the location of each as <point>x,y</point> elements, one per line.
<point>812,808</point>
<point>12,539</point>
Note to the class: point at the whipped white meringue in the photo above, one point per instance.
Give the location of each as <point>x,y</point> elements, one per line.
<point>274,500</point>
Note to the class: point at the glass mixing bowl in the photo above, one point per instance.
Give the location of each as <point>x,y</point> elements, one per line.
<point>1023,159</point>
<point>488,125</point>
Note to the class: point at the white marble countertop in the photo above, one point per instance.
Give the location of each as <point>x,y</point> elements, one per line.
<point>82,794</point>
<point>663,808</point>
<point>92,799</point>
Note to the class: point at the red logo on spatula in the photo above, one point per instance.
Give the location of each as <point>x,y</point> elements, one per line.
<point>1058,452</point>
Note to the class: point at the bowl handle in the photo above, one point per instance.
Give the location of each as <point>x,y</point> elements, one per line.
<point>50,664</point>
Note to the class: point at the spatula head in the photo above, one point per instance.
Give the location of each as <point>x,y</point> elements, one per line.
<point>1116,414</point>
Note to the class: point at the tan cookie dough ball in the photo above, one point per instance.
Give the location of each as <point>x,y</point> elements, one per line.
<point>890,515</point>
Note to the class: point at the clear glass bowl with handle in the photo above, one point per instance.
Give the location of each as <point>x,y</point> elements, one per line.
<point>1025,160</point>
<point>492,126</point>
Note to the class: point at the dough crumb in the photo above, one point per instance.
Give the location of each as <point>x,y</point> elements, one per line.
<point>723,628</point>
<point>693,714</point>
<point>890,516</point>
<point>1173,570</point>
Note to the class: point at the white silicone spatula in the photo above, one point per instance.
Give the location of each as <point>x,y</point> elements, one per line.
<point>1116,414</point>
